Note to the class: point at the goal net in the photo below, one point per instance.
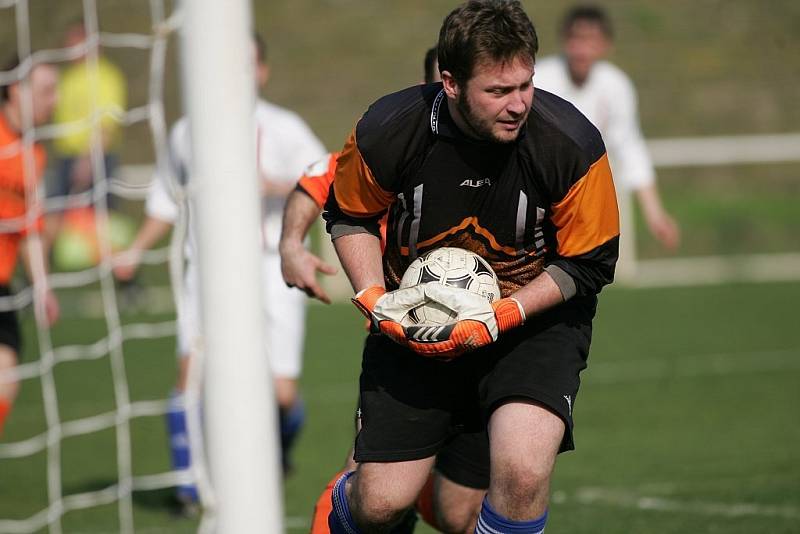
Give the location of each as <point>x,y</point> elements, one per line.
<point>85,443</point>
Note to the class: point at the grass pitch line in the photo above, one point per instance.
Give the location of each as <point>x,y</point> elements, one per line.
<point>715,270</point>
<point>721,364</point>
<point>631,499</point>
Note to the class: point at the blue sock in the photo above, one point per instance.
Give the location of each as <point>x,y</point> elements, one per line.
<point>340,521</point>
<point>490,522</point>
<point>179,444</point>
<point>291,421</point>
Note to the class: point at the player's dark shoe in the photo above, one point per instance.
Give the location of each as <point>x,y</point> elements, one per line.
<point>184,506</point>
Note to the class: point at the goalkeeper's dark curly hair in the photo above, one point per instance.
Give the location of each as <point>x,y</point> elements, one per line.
<point>481,30</point>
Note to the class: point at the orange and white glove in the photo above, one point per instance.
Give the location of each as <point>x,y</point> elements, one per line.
<point>386,310</point>
<point>478,322</point>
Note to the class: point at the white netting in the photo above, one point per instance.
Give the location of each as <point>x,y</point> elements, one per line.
<point>99,279</point>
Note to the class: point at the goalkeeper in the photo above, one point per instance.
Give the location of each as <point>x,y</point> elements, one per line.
<point>299,267</point>
<point>285,146</point>
<point>475,163</point>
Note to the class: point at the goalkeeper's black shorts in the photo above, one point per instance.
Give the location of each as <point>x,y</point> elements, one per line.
<point>9,326</point>
<point>414,407</point>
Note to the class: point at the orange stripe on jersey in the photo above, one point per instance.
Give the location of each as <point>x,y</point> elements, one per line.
<point>317,179</point>
<point>357,192</point>
<point>466,223</point>
<point>587,216</point>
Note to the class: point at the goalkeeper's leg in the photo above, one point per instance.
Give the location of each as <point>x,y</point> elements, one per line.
<point>380,509</point>
<point>451,499</point>
<point>324,505</point>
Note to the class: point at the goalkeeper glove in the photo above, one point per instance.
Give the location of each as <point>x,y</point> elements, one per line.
<point>478,323</point>
<point>386,310</point>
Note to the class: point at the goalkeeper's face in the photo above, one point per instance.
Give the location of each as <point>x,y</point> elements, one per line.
<point>494,103</point>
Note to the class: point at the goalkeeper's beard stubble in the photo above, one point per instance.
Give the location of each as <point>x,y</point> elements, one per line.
<point>482,127</point>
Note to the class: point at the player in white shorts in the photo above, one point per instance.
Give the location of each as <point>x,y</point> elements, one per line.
<point>605,94</point>
<point>285,146</point>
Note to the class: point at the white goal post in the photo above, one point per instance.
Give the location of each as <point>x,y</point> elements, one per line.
<point>240,413</point>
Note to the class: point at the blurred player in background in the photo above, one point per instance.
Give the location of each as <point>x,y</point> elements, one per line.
<point>19,228</point>
<point>477,163</point>
<point>83,91</point>
<point>300,267</point>
<point>606,95</point>
<point>285,146</point>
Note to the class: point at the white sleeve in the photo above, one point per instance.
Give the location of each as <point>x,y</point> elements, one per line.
<point>627,151</point>
<point>302,149</point>
<point>548,75</point>
<point>160,202</point>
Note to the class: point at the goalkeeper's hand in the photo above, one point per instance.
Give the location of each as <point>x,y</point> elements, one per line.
<point>478,323</point>
<point>386,310</point>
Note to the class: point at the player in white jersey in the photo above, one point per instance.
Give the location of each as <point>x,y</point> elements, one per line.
<point>285,146</point>
<point>607,97</point>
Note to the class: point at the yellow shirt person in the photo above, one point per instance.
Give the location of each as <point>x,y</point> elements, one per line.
<point>92,96</point>
<point>83,91</point>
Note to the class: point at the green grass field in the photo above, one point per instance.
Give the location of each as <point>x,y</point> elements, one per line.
<point>686,421</point>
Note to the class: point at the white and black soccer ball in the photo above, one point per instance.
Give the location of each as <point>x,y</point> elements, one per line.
<point>448,266</point>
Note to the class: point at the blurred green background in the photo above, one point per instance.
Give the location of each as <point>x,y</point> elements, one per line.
<point>686,421</point>
<point>709,67</point>
<point>706,67</point>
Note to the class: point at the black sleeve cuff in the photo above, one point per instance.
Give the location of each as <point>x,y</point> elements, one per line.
<point>563,280</point>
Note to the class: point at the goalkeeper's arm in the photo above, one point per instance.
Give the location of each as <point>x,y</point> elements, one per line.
<point>538,295</point>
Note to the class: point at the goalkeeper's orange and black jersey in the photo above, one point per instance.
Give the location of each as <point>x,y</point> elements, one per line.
<point>544,201</point>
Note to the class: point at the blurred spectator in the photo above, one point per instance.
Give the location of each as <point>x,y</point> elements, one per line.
<point>606,95</point>
<point>285,145</point>
<point>19,228</point>
<point>85,89</point>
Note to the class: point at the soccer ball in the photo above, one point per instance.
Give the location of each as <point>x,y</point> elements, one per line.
<point>448,266</point>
